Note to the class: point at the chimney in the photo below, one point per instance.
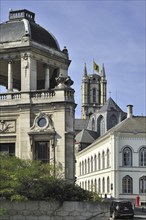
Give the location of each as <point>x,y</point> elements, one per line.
<point>129,111</point>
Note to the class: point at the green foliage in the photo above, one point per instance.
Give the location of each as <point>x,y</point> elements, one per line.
<point>2,211</point>
<point>33,180</point>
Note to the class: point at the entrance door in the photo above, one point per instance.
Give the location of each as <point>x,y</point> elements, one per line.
<point>42,151</point>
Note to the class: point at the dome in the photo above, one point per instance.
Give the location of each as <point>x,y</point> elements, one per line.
<point>21,23</point>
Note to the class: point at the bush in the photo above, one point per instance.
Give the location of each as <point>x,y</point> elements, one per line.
<point>33,180</point>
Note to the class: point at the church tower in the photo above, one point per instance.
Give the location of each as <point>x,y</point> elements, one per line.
<point>37,110</point>
<point>93,91</point>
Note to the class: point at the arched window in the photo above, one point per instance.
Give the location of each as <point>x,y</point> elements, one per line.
<point>99,186</point>
<point>103,160</point>
<point>142,157</point>
<point>94,95</point>
<point>108,158</point>
<point>127,184</point>
<point>93,124</point>
<point>91,164</point>
<point>83,185</point>
<point>92,185</point>
<point>82,167</point>
<point>112,121</point>
<point>95,185</point>
<point>127,157</point>
<point>142,184</point>
<point>86,185</point>
<point>85,166</point>
<point>102,126</point>
<point>103,185</point>
<point>95,162</point>
<point>99,162</point>
<point>108,184</point>
<point>88,165</point>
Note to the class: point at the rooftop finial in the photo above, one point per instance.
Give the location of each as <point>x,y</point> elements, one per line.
<point>85,70</point>
<point>65,50</point>
<point>103,70</point>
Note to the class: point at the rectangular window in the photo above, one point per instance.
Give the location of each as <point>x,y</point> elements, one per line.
<point>42,151</point>
<point>8,148</point>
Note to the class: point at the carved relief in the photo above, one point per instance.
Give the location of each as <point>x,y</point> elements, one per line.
<point>7,126</point>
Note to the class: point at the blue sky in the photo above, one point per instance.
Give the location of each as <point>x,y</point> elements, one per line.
<point>112,32</point>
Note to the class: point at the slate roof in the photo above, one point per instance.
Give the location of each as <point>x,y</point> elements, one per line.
<point>81,124</point>
<point>14,29</point>
<point>86,136</point>
<point>110,105</point>
<point>135,124</point>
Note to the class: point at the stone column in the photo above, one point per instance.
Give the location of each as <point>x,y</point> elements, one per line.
<point>47,77</point>
<point>10,76</point>
<point>28,73</point>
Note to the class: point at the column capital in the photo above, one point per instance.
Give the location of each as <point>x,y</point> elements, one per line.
<point>10,61</point>
<point>46,65</point>
<point>25,56</point>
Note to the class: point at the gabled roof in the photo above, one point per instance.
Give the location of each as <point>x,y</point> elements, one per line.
<point>135,124</point>
<point>81,124</point>
<point>86,136</point>
<point>110,105</point>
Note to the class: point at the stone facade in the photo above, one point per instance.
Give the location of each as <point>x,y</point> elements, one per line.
<point>93,91</point>
<point>37,111</point>
<point>39,210</point>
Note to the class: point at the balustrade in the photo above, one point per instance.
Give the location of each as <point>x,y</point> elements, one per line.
<point>38,95</point>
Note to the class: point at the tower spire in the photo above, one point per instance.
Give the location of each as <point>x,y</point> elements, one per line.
<point>85,71</point>
<point>103,83</point>
<point>103,70</point>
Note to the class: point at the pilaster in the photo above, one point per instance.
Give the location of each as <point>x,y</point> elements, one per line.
<point>10,76</point>
<point>47,77</point>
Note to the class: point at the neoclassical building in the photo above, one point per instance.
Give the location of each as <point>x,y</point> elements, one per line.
<point>37,111</point>
<point>110,144</point>
<point>115,163</point>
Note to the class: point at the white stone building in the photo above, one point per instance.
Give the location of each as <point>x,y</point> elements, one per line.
<point>115,163</point>
<point>37,111</point>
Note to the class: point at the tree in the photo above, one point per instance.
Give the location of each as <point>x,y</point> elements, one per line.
<point>33,180</point>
